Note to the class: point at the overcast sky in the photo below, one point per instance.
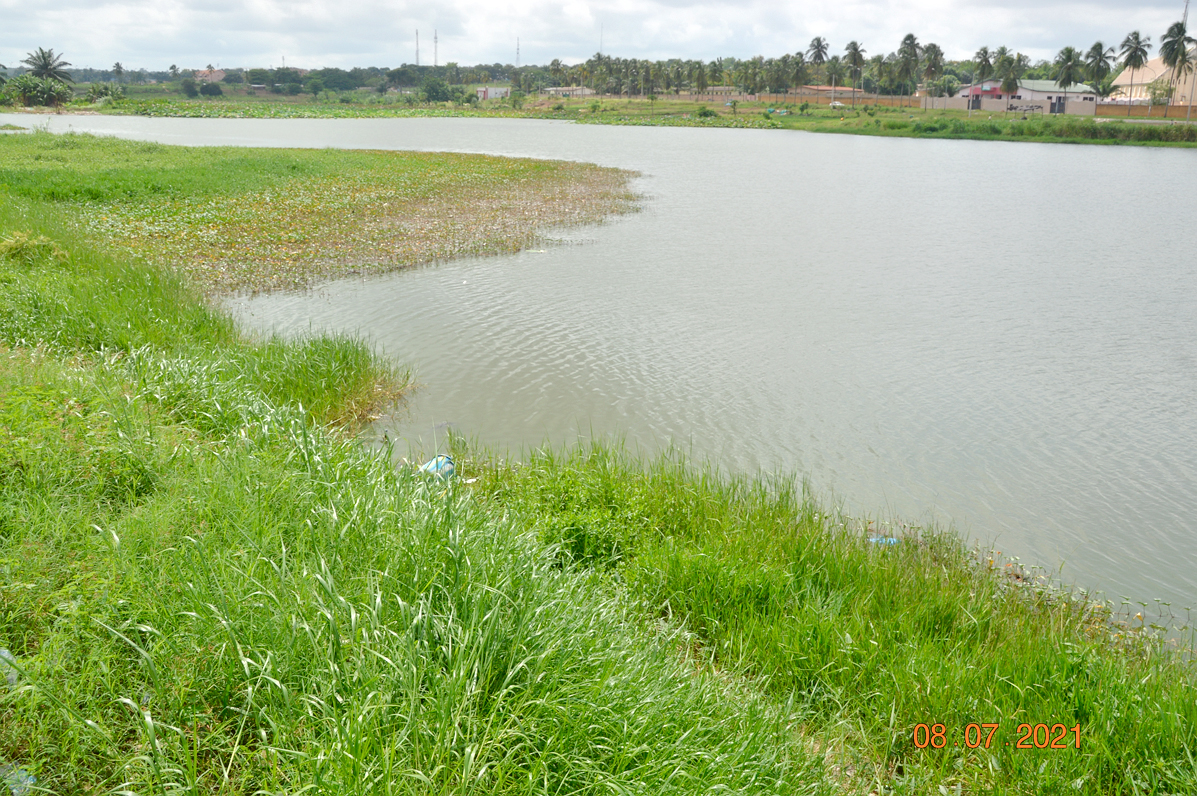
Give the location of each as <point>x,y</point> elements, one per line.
<point>314,33</point>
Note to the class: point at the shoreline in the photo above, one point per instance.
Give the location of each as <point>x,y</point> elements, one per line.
<point>190,530</point>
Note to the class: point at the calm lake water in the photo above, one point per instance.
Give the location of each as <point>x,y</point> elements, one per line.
<point>999,336</point>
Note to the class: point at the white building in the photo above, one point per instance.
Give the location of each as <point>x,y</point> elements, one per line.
<point>493,92</point>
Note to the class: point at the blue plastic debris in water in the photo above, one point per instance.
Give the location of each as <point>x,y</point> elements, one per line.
<point>886,540</point>
<point>17,780</point>
<point>440,465</point>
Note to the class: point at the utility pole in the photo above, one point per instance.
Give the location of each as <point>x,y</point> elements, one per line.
<point>434,44</point>
<point>517,52</point>
<point>417,46</point>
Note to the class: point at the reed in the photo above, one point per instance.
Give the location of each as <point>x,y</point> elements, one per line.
<point>868,639</point>
<point>207,589</point>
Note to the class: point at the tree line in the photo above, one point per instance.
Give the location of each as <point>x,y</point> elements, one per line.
<point>912,65</point>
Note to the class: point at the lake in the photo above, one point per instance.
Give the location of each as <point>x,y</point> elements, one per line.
<point>1001,337</point>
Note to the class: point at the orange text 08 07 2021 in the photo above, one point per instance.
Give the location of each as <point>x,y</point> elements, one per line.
<point>982,736</point>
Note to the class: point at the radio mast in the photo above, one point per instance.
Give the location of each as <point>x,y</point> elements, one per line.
<point>434,60</point>
<point>417,46</point>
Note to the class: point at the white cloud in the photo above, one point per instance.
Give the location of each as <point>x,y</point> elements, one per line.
<point>314,33</point>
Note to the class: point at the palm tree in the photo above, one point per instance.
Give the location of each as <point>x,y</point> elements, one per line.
<point>854,56</point>
<point>908,59</point>
<point>1010,69</point>
<point>799,71</point>
<point>45,64</point>
<point>981,72</point>
<point>932,65</point>
<point>1134,54</point>
<point>835,69</point>
<point>1068,70</point>
<point>118,71</point>
<point>1174,52</point>
<point>877,70</point>
<point>1099,62</point>
<point>816,53</point>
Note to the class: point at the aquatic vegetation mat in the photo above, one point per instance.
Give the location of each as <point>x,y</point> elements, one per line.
<point>236,219</point>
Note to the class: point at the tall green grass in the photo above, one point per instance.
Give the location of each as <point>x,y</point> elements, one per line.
<point>870,640</point>
<point>208,590</point>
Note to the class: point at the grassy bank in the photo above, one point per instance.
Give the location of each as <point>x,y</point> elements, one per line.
<point>868,639</point>
<point>207,589</point>
<point>208,586</point>
<point>234,220</point>
<point>673,112</point>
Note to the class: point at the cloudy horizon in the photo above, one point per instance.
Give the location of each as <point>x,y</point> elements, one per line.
<point>317,33</point>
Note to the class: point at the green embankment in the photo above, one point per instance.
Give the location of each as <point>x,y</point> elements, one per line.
<point>867,639</point>
<point>667,111</point>
<point>208,590</point>
<point>210,587</point>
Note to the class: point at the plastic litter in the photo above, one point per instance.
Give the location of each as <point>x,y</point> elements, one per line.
<point>440,466</point>
<point>6,666</point>
<point>885,540</point>
<point>17,780</point>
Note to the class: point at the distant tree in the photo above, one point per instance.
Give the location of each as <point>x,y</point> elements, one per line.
<point>835,71</point>
<point>293,88</point>
<point>211,90</point>
<point>48,66</point>
<point>435,90</point>
<point>932,65</point>
<point>189,87</point>
<point>982,71</point>
<point>816,53</point>
<point>1010,69</point>
<point>1099,62</point>
<point>258,77</point>
<point>909,52</point>
<point>174,72</point>
<point>1135,48</point>
<point>1069,69</point>
<point>315,85</point>
<point>118,71</point>
<point>854,56</point>
<point>285,76</point>
<point>234,78</point>
<point>1174,52</point>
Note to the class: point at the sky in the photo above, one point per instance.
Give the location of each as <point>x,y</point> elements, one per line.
<point>153,34</point>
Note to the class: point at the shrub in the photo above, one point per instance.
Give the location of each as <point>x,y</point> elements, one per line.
<point>99,91</point>
<point>560,106</point>
<point>189,87</point>
<point>293,89</point>
<point>30,90</point>
<point>211,90</point>
<point>705,113</point>
<point>896,124</point>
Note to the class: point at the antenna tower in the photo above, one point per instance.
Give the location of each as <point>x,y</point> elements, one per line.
<point>434,60</point>
<point>517,52</point>
<point>417,46</point>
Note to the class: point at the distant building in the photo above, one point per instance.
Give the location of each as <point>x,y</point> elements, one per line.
<point>1151,71</point>
<point>568,91</point>
<point>209,75</point>
<point>493,92</point>
<point>1029,92</point>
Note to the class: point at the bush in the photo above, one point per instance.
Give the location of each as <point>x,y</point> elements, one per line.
<point>29,90</point>
<point>293,89</point>
<point>705,113</point>
<point>189,87</point>
<point>211,90</point>
<point>100,91</point>
<point>560,106</point>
